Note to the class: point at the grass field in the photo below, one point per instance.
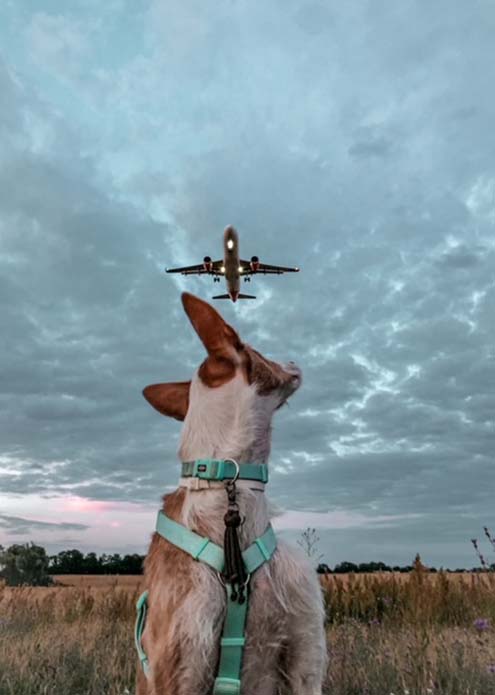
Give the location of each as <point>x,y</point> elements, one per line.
<point>414,634</point>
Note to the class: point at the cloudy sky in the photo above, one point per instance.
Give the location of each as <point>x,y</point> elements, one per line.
<point>352,139</point>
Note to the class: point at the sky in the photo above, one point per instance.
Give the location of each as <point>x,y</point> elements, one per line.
<point>354,140</point>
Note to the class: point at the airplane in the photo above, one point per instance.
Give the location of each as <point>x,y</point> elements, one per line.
<point>232,268</point>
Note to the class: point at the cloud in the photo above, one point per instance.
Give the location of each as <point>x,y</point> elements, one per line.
<point>131,137</point>
<point>343,519</point>
<point>20,526</point>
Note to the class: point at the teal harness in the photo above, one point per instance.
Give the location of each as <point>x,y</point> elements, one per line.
<point>232,640</point>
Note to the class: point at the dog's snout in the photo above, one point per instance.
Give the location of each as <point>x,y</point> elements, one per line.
<point>292,367</point>
<point>294,371</point>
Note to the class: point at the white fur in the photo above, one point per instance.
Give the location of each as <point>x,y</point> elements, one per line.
<point>286,603</point>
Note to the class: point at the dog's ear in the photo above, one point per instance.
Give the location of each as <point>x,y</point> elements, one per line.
<point>170,399</point>
<point>220,340</point>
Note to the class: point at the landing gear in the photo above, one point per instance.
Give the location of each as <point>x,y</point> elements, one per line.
<point>247,279</point>
<point>215,279</point>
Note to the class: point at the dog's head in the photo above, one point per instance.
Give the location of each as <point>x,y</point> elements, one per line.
<point>228,359</point>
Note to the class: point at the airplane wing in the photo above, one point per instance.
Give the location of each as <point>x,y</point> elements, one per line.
<point>265,268</point>
<point>198,269</point>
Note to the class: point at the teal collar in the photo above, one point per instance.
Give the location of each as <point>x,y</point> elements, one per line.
<point>222,469</point>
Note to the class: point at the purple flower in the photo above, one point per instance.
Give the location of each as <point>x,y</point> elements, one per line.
<point>481,624</point>
<point>491,668</point>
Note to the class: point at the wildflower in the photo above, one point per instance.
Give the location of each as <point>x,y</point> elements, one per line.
<point>491,668</point>
<point>481,624</point>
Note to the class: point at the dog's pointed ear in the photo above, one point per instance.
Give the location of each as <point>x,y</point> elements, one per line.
<point>219,339</point>
<point>170,399</point>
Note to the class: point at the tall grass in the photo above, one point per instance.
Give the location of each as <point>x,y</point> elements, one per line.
<point>414,599</point>
<point>415,634</point>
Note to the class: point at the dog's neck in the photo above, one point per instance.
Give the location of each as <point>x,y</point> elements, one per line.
<point>231,421</point>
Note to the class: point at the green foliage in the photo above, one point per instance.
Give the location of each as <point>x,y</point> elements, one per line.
<point>74,562</point>
<point>25,565</point>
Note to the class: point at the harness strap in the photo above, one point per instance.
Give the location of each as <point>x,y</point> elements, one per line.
<point>204,549</point>
<point>141,606</point>
<point>232,639</point>
<point>231,648</point>
<point>199,547</point>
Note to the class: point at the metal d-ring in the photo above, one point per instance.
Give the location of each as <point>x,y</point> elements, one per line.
<point>238,471</point>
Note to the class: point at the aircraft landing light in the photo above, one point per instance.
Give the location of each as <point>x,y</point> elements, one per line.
<point>230,244</point>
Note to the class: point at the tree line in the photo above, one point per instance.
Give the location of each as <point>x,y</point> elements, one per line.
<point>30,564</point>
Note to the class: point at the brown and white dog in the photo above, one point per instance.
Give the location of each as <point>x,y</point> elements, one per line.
<point>227,410</point>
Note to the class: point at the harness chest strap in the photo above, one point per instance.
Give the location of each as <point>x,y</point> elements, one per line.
<point>232,640</point>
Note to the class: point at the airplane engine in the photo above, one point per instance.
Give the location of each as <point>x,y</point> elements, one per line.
<point>208,265</point>
<point>255,262</point>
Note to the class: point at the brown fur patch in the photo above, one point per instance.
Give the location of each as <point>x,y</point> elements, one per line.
<point>217,336</point>
<point>165,565</point>
<point>267,375</point>
<point>216,371</point>
<point>170,399</point>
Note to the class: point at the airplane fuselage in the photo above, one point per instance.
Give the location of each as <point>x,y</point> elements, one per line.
<point>231,261</point>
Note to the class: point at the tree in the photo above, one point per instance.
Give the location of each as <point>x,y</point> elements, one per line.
<point>25,565</point>
<point>91,564</point>
<point>68,562</point>
<point>132,564</point>
<point>345,567</point>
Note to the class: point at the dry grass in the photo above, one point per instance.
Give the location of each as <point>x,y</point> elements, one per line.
<point>386,634</point>
<point>98,580</point>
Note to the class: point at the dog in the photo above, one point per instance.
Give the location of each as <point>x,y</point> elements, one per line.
<point>226,410</point>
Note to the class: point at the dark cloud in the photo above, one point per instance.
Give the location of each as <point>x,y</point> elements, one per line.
<point>18,526</point>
